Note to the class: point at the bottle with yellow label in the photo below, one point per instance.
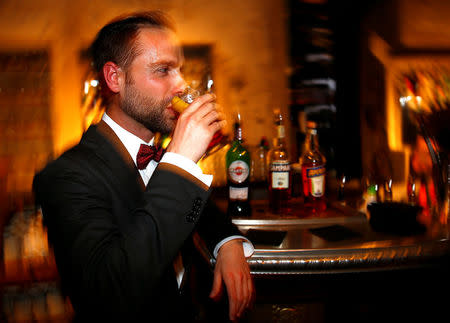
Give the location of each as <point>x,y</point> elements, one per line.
<point>313,171</point>
<point>279,171</point>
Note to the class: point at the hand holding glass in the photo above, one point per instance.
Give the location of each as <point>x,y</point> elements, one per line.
<point>181,102</point>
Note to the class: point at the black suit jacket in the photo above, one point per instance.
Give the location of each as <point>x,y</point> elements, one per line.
<point>115,240</point>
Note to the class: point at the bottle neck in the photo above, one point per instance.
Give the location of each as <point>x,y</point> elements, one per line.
<point>281,135</point>
<point>238,133</point>
<point>311,143</point>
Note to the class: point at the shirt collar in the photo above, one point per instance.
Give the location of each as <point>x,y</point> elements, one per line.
<point>129,140</point>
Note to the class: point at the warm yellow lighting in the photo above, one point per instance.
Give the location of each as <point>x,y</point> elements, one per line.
<point>165,142</point>
<point>210,84</point>
<point>89,84</point>
<point>394,115</point>
<point>214,164</point>
<point>413,103</point>
<point>404,99</point>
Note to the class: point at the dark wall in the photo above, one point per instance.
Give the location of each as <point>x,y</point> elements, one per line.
<point>350,21</point>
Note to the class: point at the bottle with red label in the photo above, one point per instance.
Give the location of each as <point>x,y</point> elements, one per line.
<point>313,171</point>
<point>238,175</point>
<point>279,171</point>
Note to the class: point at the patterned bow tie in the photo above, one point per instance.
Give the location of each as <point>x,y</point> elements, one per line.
<point>147,153</point>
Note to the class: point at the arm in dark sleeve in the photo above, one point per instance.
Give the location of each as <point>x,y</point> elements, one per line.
<point>215,226</point>
<point>113,267</point>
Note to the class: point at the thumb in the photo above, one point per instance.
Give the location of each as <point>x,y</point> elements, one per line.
<point>216,291</point>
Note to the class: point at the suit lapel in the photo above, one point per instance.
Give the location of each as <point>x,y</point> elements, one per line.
<point>111,136</point>
<point>114,162</point>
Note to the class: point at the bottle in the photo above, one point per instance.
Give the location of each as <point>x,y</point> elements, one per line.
<point>372,193</point>
<point>313,171</point>
<point>260,163</point>
<point>341,189</point>
<point>388,190</point>
<point>411,189</point>
<point>279,171</point>
<point>238,163</point>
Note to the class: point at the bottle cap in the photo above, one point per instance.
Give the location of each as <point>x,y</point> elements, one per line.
<point>264,142</point>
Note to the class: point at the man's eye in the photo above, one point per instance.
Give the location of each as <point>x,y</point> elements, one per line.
<point>163,70</point>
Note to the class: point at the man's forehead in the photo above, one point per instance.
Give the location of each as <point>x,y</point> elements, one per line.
<point>158,32</point>
<point>158,41</point>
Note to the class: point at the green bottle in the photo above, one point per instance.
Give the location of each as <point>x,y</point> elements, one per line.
<point>238,175</point>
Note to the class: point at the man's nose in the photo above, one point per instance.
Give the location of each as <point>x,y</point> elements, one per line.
<point>180,83</point>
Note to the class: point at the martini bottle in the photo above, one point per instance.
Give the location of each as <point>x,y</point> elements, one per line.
<point>238,175</point>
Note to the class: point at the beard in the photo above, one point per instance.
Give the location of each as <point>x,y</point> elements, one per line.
<point>146,110</point>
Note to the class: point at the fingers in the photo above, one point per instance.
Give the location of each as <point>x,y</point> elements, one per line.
<point>215,121</point>
<point>209,115</point>
<point>250,291</point>
<point>235,272</point>
<point>203,110</point>
<point>213,114</point>
<point>240,294</point>
<point>247,292</point>
<point>200,102</point>
<point>241,298</point>
<point>204,107</point>
<point>251,287</point>
<point>239,289</point>
<point>232,301</point>
<point>196,127</point>
<point>216,290</point>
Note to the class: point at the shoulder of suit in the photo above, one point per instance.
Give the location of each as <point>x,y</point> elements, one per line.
<point>78,155</point>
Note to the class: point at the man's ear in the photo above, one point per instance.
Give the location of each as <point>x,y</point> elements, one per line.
<point>112,74</point>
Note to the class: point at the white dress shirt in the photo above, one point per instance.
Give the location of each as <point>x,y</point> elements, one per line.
<point>132,144</point>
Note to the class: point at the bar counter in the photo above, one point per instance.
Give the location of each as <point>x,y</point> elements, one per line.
<point>339,240</point>
<point>334,267</point>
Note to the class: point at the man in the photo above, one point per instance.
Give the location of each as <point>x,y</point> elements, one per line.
<point>117,239</point>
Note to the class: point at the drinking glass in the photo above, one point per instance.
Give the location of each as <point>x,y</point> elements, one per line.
<point>181,102</point>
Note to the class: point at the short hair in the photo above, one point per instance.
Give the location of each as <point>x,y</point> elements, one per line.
<point>115,41</point>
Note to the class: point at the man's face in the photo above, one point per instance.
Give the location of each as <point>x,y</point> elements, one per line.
<point>152,80</point>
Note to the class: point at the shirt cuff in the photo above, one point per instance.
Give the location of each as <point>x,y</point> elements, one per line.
<point>248,247</point>
<point>187,165</point>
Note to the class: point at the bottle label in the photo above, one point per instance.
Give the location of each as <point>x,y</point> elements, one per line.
<point>238,193</point>
<point>314,181</point>
<point>280,174</point>
<point>280,132</point>
<point>238,171</point>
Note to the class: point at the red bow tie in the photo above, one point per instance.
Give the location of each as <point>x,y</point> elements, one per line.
<point>147,153</point>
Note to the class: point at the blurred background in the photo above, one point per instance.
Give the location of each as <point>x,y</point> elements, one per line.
<point>348,65</point>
